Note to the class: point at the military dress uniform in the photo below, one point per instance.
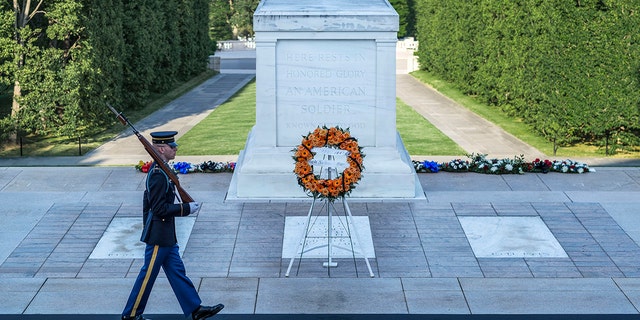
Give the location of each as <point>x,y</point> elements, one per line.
<point>162,251</point>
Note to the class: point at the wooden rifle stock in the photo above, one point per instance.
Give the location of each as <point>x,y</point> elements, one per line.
<point>184,195</point>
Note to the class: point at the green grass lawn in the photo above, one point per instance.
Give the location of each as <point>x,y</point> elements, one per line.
<point>225,130</point>
<point>420,137</point>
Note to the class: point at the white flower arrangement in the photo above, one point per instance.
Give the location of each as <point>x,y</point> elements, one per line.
<point>480,164</point>
<point>570,166</point>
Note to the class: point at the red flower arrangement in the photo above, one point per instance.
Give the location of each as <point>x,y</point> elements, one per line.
<point>144,166</point>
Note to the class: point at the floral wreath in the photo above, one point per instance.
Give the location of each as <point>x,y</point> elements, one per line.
<point>345,181</point>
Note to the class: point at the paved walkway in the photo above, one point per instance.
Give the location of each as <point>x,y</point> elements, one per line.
<point>55,212</point>
<point>471,132</point>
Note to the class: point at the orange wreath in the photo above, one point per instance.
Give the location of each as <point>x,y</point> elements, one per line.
<point>346,180</point>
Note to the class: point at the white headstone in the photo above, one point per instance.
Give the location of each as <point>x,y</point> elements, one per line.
<point>324,63</point>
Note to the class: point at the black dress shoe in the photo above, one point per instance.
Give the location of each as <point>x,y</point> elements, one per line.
<point>138,317</point>
<point>204,312</point>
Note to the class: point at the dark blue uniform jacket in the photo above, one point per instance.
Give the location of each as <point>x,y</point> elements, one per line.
<point>159,200</point>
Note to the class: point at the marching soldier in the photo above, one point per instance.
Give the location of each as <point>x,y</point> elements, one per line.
<point>159,234</point>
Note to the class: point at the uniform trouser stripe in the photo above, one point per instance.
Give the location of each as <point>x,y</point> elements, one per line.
<point>145,282</point>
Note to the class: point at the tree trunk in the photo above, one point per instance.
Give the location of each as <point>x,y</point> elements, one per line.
<point>606,143</point>
<point>17,93</point>
<point>23,13</point>
<point>15,107</point>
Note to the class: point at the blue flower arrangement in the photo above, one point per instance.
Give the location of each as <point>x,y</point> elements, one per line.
<point>182,167</point>
<point>426,166</point>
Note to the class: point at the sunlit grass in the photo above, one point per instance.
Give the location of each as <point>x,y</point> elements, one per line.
<point>420,137</point>
<point>225,130</point>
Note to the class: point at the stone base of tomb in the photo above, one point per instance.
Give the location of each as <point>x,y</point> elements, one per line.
<point>267,173</point>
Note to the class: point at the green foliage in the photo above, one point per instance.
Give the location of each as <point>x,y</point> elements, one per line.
<point>242,16</point>
<point>7,45</point>
<point>220,21</point>
<point>168,51</point>
<point>568,68</point>
<point>405,11</point>
<point>46,48</point>
<point>195,37</point>
<point>73,56</point>
<point>140,25</point>
<point>103,58</point>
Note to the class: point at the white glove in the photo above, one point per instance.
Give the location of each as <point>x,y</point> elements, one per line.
<point>194,207</point>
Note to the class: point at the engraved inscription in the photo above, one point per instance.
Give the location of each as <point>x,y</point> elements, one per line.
<point>325,82</point>
<point>325,91</point>
<point>326,108</point>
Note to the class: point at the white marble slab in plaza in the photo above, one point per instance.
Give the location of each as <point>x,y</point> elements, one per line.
<point>345,244</point>
<point>511,237</point>
<point>327,63</point>
<point>121,240</point>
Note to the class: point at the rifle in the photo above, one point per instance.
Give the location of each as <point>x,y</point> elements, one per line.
<point>156,157</point>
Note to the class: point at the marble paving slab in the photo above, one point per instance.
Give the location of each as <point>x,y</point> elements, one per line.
<point>511,237</point>
<point>121,240</point>
<point>316,242</point>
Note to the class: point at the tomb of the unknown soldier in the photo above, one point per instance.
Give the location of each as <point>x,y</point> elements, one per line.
<point>325,64</point>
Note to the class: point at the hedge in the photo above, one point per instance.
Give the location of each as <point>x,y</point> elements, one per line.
<point>80,54</point>
<point>570,69</point>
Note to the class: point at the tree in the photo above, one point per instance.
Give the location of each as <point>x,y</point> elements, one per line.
<point>405,11</point>
<point>24,13</point>
<point>219,21</point>
<point>66,58</point>
<point>7,45</point>
<point>47,36</point>
<point>194,32</point>
<point>242,19</point>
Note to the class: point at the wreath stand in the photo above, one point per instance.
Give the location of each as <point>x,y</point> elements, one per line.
<point>350,234</point>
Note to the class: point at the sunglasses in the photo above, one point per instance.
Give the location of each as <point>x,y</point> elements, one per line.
<point>168,146</point>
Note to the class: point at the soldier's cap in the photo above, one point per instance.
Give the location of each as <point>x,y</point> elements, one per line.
<point>164,137</point>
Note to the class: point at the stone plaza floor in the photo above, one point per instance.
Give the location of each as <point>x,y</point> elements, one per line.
<point>425,260</point>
